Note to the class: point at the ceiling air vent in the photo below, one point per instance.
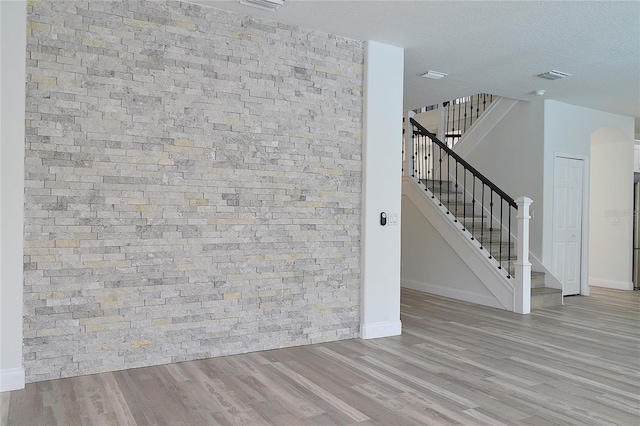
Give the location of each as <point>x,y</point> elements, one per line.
<point>271,5</point>
<point>434,75</point>
<point>554,75</point>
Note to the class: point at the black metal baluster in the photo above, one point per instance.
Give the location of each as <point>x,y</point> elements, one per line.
<point>419,157</point>
<point>417,154</point>
<point>509,248</point>
<point>500,239</point>
<point>482,217</point>
<point>425,155</point>
<point>453,125</point>
<point>464,190</point>
<point>431,167</point>
<point>425,141</point>
<point>446,105</point>
<point>413,154</point>
<point>465,117</point>
<point>490,222</point>
<point>424,158</point>
<point>473,209</point>
<point>455,194</point>
<point>448,182</point>
<point>425,152</point>
<point>470,111</point>
<point>440,167</point>
<point>420,150</point>
<point>459,125</point>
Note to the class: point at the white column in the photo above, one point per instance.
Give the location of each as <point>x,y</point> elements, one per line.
<point>523,267</point>
<point>13,21</point>
<point>382,190</point>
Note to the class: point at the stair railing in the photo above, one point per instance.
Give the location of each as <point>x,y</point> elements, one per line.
<point>437,166</point>
<point>461,113</point>
<point>480,206</point>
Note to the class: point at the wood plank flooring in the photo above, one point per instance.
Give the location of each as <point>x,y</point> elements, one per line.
<point>456,363</point>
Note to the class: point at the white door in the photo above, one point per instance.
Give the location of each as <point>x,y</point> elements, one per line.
<point>567,223</point>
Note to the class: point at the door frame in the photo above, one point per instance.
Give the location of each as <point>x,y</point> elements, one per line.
<point>584,234</point>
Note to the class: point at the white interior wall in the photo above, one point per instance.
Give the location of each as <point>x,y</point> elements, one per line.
<point>429,263</point>
<point>510,155</point>
<point>611,216</point>
<point>568,130</point>
<point>382,190</point>
<point>430,120</point>
<point>13,18</point>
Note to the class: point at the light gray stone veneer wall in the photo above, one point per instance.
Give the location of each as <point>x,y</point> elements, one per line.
<point>193,183</point>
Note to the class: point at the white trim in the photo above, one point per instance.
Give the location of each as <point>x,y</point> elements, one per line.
<point>12,379</point>
<point>616,285</point>
<point>584,260</point>
<point>380,329</point>
<point>453,293</point>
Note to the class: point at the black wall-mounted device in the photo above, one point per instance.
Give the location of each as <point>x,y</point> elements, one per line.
<point>383,219</point>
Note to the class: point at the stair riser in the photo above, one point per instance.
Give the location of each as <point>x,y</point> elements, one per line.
<point>537,281</point>
<point>541,301</point>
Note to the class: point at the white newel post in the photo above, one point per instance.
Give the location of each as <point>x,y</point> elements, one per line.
<point>408,143</point>
<point>523,266</point>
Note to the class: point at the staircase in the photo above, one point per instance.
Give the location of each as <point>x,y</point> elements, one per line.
<point>484,214</point>
<point>475,221</point>
<point>492,240</point>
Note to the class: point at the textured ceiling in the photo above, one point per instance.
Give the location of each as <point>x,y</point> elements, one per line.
<point>492,46</point>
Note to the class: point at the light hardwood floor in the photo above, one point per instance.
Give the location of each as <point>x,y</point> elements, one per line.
<point>456,363</point>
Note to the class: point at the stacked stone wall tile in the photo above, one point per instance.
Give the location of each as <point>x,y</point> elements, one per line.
<point>192,185</point>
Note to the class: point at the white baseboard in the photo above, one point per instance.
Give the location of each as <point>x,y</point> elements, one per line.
<point>380,329</point>
<point>616,285</point>
<point>452,293</point>
<point>12,379</point>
